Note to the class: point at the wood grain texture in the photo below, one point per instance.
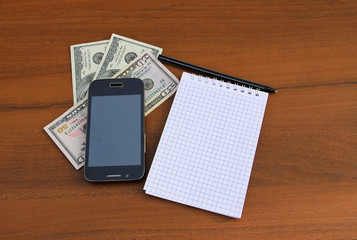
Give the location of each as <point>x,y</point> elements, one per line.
<point>304,179</point>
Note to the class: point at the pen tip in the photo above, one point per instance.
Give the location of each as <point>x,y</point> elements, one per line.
<point>275,91</point>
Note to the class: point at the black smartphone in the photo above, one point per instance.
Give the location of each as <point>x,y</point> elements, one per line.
<point>115,142</point>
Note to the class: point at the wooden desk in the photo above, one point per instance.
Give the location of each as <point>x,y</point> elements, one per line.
<point>304,179</point>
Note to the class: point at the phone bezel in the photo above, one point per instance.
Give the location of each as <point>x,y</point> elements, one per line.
<point>111,173</point>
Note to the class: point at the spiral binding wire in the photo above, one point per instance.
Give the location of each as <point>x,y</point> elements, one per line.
<point>229,85</point>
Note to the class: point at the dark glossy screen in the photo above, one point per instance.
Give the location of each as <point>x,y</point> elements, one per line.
<point>115,131</point>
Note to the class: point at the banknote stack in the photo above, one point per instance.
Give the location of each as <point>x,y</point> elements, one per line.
<point>119,57</point>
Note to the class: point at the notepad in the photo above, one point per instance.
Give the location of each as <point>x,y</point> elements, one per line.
<point>205,155</point>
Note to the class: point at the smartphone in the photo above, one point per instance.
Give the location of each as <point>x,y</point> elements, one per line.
<point>115,144</point>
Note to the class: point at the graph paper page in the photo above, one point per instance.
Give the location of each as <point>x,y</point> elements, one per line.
<point>206,152</point>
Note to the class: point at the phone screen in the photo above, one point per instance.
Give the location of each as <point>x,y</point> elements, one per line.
<point>115,131</point>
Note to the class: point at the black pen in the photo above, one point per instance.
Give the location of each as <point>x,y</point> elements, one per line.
<point>215,74</point>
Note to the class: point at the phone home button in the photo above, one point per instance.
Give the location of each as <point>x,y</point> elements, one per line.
<point>113,175</point>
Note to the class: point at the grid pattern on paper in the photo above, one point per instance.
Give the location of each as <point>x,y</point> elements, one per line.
<point>206,151</point>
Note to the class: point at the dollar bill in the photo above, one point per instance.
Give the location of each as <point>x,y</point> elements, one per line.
<point>120,52</point>
<point>69,133</point>
<point>85,59</point>
<point>159,82</point>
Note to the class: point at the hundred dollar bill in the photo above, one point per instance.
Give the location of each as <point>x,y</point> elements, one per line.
<point>159,82</point>
<point>85,59</point>
<point>69,133</point>
<point>119,52</point>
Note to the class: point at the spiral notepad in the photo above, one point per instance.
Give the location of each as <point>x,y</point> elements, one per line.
<point>206,152</point>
